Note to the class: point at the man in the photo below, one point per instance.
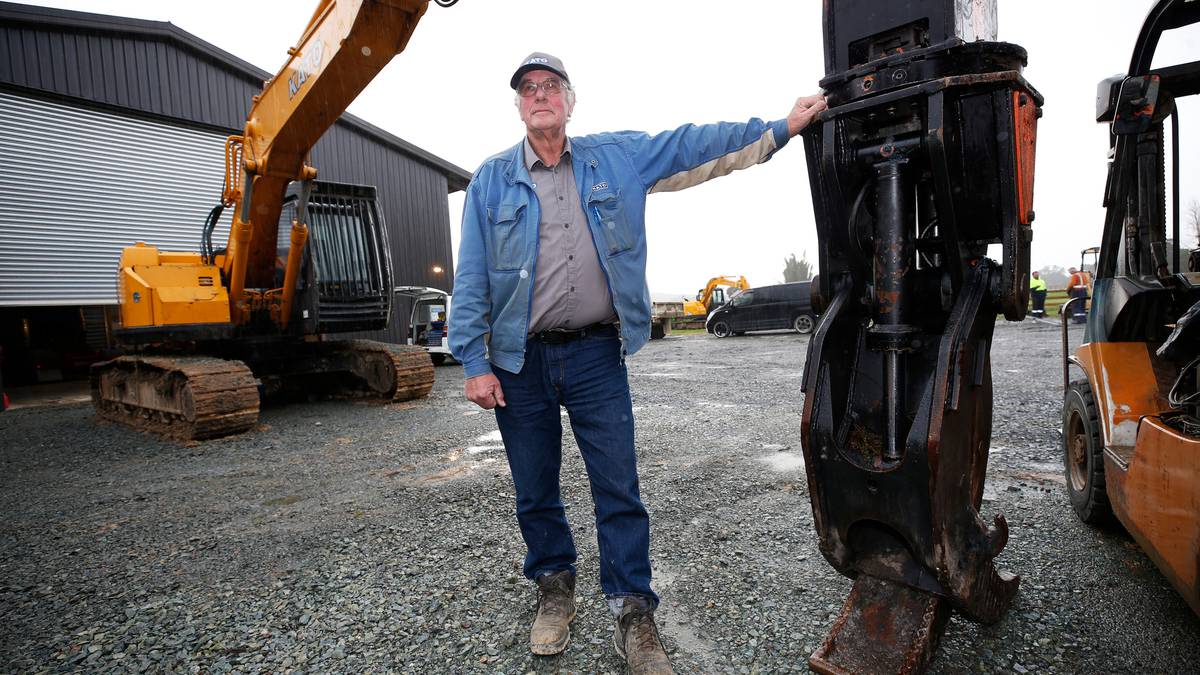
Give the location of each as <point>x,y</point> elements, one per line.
<point>552,256</point>
<point>1037,290</point>
<point>1077,287</point>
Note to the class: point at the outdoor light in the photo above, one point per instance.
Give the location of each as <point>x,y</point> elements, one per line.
<point>437,269</point>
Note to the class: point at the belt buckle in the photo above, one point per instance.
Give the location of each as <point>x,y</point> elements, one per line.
<point>556,336</point>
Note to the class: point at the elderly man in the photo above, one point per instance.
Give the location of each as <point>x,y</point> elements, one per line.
<point>552,260</point>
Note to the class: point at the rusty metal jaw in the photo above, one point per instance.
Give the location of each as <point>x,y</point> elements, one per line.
<point>907,529</point>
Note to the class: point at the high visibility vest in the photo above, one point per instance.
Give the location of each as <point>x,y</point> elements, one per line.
<point>1037,285</point>
<point>1078,280</point>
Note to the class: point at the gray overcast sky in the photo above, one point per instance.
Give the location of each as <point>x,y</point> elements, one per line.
<point>656,65</point>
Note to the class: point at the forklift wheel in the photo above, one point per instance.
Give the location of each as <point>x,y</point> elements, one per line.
<point>1083,455</point>
<point>438,359</point>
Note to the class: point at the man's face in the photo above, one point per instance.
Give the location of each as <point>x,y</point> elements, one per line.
<point>1035,275</point>
<point>542,112</point>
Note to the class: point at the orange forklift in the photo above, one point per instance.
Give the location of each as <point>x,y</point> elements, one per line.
<point>1131,424</point>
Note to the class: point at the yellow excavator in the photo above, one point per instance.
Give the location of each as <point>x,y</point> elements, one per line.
<point>206,333</point>
<point>713,295</point>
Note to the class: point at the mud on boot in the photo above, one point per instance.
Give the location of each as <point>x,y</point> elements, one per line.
<point>637,641</point>
<point>555,610</point>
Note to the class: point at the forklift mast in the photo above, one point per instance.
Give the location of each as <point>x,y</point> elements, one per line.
<point>922,162</point>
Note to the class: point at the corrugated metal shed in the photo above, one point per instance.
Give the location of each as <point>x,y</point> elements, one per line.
<point>154,75</point>
<point>79,185</point>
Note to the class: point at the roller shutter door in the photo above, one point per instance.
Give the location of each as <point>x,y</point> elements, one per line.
<point>78,185</point>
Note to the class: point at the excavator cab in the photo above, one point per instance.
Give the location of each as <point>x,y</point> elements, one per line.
<point>1131,415</point>
<point>345,281</point>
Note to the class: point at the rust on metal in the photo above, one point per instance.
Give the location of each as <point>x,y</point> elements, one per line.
<point>199,398</point>
<point>883,627</point>
<point>187,398</point>
<point>924,161</point>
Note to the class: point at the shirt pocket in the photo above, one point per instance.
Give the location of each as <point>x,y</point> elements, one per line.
<point>610,212</point>
<point>506,236</point>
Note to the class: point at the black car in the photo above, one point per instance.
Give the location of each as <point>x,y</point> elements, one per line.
<point>765,308</point>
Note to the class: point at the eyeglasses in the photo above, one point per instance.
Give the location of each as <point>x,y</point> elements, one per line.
<point>551,87</point>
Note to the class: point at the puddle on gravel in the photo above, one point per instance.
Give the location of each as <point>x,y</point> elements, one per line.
<point>489,442</point>
<point>783,461</point>
<point>674,620</point>
<point>462,462</point>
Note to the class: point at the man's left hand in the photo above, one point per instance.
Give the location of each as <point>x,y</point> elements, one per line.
<point>804,112</point>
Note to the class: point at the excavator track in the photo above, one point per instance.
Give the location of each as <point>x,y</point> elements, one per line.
<point>201,397</point>
<point>387,371</point>
<point>188,398</point>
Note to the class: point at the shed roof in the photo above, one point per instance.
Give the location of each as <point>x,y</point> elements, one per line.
<point>20,72</point>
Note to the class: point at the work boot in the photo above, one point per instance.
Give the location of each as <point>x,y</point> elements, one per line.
<point>556,608</point>
<point>637,641</point>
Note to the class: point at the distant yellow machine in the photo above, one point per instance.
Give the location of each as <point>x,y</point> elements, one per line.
<point>713,295</point>
<point>213,329</point>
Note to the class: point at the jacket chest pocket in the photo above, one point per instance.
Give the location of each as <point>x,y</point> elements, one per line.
<point>609,211</point>
<point>506,236</point>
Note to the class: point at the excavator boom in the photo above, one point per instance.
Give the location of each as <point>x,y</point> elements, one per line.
<point>346,44</point>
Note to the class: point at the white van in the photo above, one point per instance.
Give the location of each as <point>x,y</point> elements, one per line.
<point>427,323</point>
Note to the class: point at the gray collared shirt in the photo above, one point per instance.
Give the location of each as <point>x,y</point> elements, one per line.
<point>569,288</point>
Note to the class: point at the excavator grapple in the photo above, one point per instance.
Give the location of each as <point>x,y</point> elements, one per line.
<point>923,160</point>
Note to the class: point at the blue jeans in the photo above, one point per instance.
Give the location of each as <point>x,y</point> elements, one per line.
<point>587,377</point>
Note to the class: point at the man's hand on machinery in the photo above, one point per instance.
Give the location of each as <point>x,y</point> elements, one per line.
<point>484,391</point>
<point>804,112</point>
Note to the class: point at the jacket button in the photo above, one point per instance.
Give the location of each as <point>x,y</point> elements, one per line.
<point>524,274</point>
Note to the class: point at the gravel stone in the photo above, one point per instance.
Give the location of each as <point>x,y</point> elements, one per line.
<point>344,537</point>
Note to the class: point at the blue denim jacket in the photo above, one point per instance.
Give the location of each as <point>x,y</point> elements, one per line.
<point>498,252</point>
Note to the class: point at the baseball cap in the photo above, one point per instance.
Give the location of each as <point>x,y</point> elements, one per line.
<point>539,61</point>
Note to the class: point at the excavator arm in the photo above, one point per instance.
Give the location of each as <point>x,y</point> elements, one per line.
<point>346,44</point>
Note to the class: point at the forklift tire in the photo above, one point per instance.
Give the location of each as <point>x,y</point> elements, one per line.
<point>1083,456</point>
<point>438,359</point>
<point>721,329</point>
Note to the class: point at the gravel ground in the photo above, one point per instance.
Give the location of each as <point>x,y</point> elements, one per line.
<point>339,537</point>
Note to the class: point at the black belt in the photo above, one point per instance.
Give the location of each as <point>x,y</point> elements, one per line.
<point>557,336</point>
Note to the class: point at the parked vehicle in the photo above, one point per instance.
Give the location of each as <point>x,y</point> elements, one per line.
<point>1131,415</point>
<point>765,308</point>
<point>427,321</point>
